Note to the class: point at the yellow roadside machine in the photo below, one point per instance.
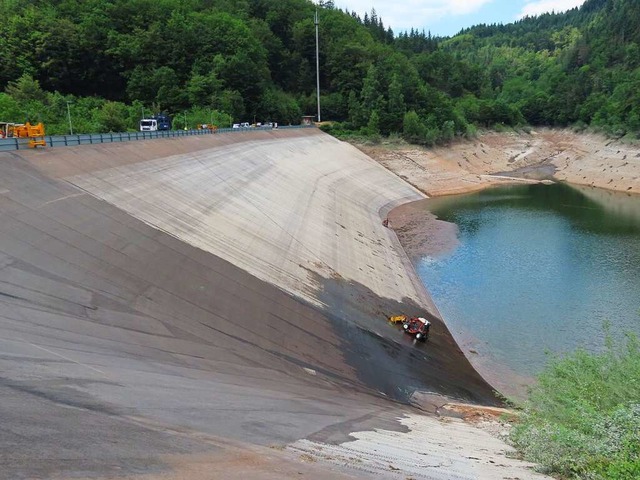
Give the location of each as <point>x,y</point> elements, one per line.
<point>207,126</point>
<point>35,133</point>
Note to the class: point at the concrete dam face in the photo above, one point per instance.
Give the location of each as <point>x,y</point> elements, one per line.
<point>194,295</point>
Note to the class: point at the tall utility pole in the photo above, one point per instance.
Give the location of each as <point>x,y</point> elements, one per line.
<point>317,66</point>
<point>69,116</point>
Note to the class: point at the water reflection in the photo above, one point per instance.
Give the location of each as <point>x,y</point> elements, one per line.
<point>539,267</point>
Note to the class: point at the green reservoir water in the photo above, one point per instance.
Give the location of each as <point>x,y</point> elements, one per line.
<point>539,268</point>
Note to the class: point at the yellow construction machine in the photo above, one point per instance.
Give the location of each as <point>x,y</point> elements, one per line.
<point>35,133</point>
<point>207,126</point>
<point>397,318</point>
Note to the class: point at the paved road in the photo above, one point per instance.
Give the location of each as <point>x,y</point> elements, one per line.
<point>201,293</point>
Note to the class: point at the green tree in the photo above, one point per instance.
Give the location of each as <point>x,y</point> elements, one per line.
<point>202,89</point>
<point>113,117</point>
<point>357,115</point>
<point>371,95</point>
<point>373,126</point>
<point>9,108</point>
<point>280,107</point>
<point>231,102</point>
<point>447,131</point>
<point>26,89</point>
<point>396,106</point>
<point>413,130</point>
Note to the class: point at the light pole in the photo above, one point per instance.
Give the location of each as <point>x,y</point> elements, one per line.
<point>317,65</point>
<point>69,116</point>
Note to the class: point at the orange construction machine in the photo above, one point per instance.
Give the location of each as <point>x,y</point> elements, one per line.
<point>207,126</point>
<point>35,133</point>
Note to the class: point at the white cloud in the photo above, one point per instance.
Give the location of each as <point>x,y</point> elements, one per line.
<point>404,15</point>
<point>539,7</point>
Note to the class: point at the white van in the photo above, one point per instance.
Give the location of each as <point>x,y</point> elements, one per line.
<point>148,125</point>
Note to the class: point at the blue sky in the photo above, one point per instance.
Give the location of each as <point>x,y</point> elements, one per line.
<point>448,17</point>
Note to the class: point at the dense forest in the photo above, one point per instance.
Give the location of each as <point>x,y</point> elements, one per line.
<point>107,62</point>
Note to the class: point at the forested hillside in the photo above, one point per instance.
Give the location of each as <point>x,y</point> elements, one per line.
<point>228,60</point>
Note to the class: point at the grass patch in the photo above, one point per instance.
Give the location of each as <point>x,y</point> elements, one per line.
<point>582,418</point>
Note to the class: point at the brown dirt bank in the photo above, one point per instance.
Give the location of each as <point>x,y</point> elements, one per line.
<point>495,158</point>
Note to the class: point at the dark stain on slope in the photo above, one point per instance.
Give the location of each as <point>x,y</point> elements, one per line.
<point>391,362</point>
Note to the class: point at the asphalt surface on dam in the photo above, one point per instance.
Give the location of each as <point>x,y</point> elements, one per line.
<point>182,296</point>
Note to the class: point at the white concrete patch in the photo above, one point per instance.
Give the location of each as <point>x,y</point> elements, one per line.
<point>276,208</point>
<point>434,448</point>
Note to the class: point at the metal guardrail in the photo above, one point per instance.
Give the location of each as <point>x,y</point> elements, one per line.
<point>10,144</point>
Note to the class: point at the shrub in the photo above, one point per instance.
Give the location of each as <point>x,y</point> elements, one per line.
<point>579,126</point>
<point>413,128</point>
<point>471,131</point>
<point>581,418</point>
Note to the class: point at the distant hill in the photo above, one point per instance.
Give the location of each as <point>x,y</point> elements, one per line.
<point>240,60</point>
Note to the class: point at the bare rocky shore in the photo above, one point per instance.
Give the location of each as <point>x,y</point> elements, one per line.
<point>494,158</point>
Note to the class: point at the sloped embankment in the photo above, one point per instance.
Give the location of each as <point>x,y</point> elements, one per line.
<point>232,286</point>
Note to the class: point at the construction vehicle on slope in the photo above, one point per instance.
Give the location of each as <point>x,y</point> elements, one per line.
<point>35,133</point>
<point>418,327</point>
